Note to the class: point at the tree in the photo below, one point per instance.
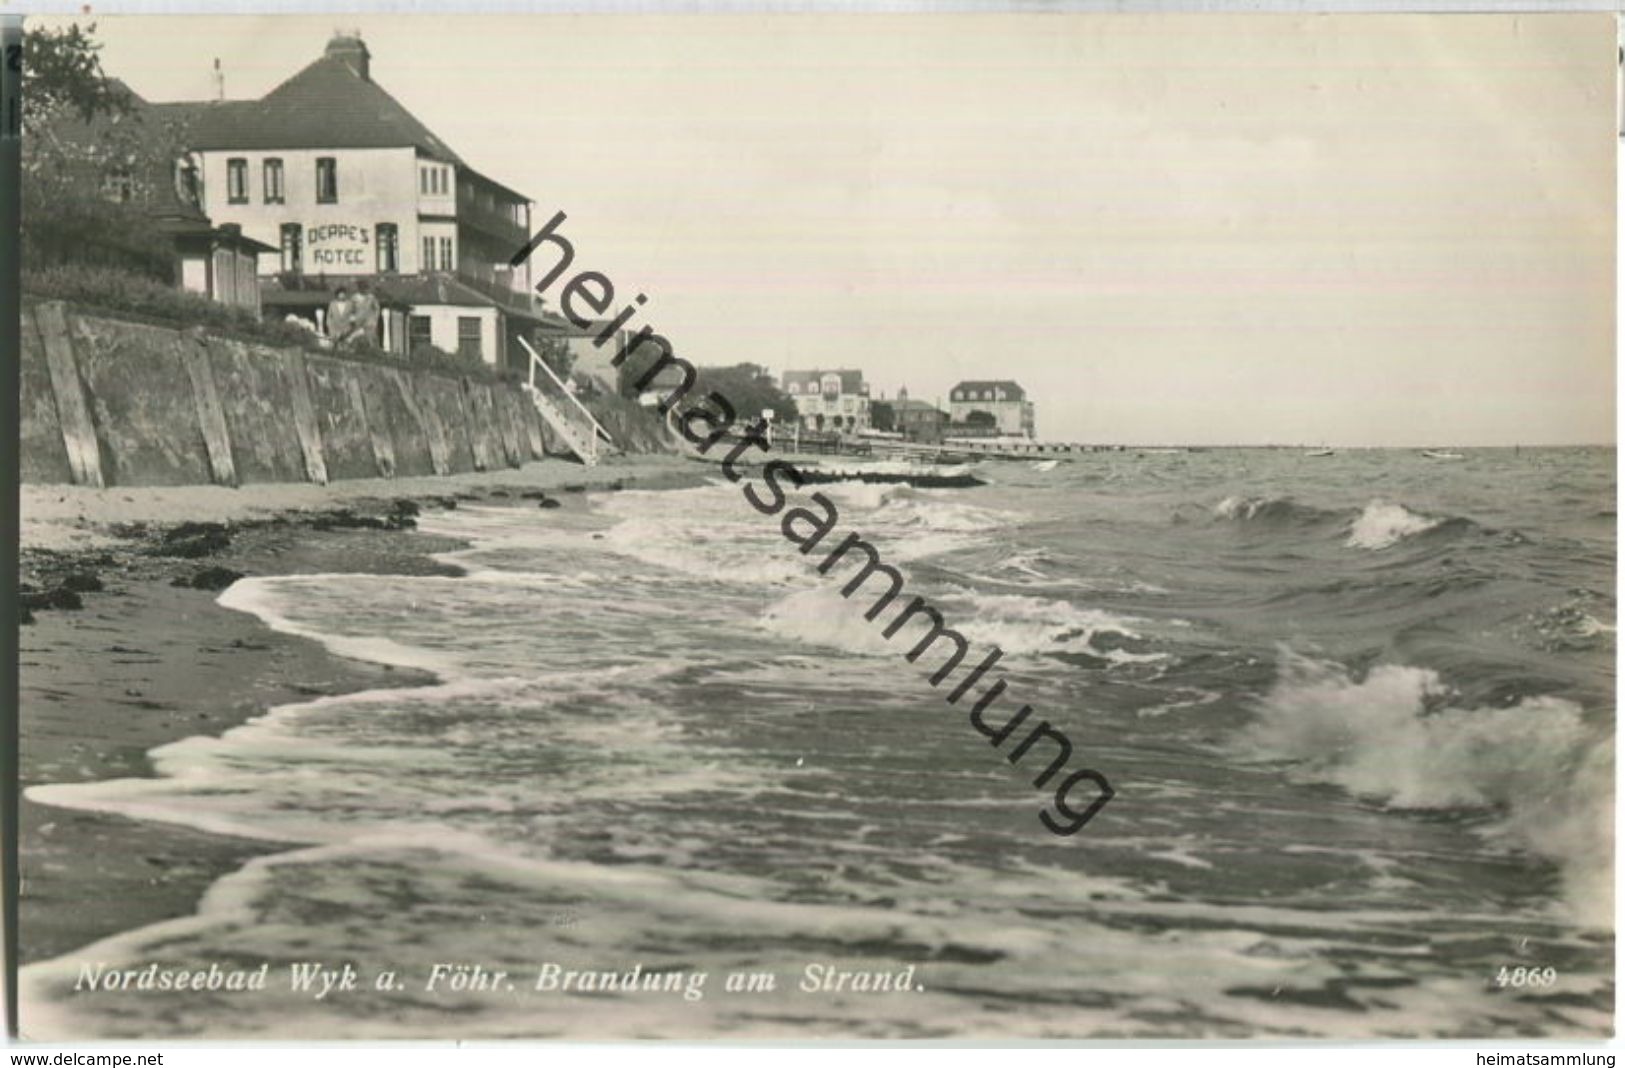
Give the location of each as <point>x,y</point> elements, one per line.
<point>558,355</point>
<point>64,76</point>
<point>980,418</point>
<point>748,387</point>
<point>93,168</point>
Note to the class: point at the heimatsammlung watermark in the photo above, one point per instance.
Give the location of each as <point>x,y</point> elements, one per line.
<point>807,529</point>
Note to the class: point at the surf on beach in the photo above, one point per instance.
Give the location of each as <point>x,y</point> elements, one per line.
<point>1358,711</point>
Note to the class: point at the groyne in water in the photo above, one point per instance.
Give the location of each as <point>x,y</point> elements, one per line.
<point>109,402</point>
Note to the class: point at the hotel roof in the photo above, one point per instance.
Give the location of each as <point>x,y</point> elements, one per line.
<point>328,104</point>
<point>1012,391</point>
<point>851,381</point>
<point>909,404</point>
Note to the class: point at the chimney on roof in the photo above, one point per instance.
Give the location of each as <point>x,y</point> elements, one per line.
<point>348,46</point>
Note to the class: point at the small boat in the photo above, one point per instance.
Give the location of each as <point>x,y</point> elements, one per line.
<point>1441,454</point>
<point>1046,465</point>
<point>1321,452</point>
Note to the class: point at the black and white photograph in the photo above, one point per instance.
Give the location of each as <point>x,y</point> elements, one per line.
<point>966,525</point>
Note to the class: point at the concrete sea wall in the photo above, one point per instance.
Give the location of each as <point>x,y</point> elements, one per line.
<point>107,402</point>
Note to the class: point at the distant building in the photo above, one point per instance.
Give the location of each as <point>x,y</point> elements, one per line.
<point>829,400</point>
<point>1003,400</point>
<point>340,181</point>
<point>916,420</point>
<point>588,359</point>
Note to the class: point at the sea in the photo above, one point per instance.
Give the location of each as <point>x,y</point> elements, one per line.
<point>1357,711</point>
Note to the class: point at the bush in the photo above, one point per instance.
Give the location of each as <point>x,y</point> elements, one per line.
<point>433,358</point>
<point>149,300</point>
<point>56,233</point>
<point>127,295</point>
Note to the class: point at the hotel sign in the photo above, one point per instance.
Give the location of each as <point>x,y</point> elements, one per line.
<point>339,245</point>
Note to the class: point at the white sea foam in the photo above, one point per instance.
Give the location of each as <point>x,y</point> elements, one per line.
<point>1382,524</point>
<point>1239,507</point>
<point>820,616</point>
<point>926,511</point>
<point>1021,624</point>
<point>259,597</point>
<point>866,496</point>
<point>1394,736</point>
<point>741,554</point>
<point>396,891</point>
<point>1016,624</point>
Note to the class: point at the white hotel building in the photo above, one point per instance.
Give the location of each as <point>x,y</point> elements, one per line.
<point>345,183</point>
<point>829,400</point>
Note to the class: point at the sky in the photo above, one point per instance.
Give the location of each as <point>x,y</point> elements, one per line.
<point>1239,229</point>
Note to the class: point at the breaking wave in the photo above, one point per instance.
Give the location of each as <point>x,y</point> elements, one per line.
<point>1395,736</point>
<point>1382,524</point>
<point>1018,625</point>
<point>1379,525</point>
<point>1266,510</point>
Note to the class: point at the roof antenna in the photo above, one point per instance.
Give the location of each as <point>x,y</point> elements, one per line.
<point>219,79</point>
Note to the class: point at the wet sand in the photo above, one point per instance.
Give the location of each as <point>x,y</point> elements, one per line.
<point>144,662</point>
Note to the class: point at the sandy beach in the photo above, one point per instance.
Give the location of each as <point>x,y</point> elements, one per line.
<point>148,657</point>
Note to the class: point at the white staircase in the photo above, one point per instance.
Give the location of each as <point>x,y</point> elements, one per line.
<point>568,417</point>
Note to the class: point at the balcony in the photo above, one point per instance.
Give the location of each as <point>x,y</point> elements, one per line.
<point>494,286</point>
<point>490,220</point>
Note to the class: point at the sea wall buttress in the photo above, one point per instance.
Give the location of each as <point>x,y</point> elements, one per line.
<point>109,402</point>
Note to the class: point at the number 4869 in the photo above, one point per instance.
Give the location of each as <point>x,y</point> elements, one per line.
<point>1526,977</point>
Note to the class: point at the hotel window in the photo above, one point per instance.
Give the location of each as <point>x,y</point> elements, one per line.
<point>389,248</point>
<point>292,240</point>
<point>327,180</point>
<point>445,254</point>
<point>468,335</point>
<point>273,181</point>
<point>432,181</point>
<point>237,181</point>
<point>419,333</point>
<point>428,254</point>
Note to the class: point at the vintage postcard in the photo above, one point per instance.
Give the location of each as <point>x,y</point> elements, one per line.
<point>975,526</point>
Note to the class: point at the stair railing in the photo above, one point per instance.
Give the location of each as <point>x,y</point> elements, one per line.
<point>537,361</point>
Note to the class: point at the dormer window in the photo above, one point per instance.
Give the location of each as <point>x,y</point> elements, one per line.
<point>119,186</point>
<point>187,185</point>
